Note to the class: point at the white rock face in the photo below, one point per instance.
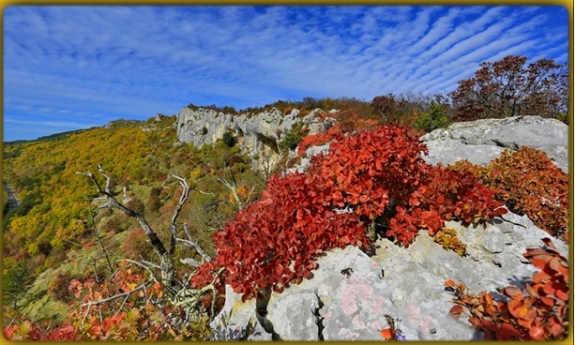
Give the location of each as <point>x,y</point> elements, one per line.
<point>404,283</point>
<point>483,140</point>
<point>258,134</point>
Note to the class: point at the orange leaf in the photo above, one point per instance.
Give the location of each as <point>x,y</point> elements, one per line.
<point>555,264</point>
<point>456,310</point>
<point>512,291</point>
<point>550,288</point>
<point>530,290</point>
<point>449,283</point>
<point>388,333</point>
<point>541,276</point>
<point>537,333</point>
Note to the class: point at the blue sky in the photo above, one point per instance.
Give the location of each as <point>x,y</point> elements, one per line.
<point>68,68</point>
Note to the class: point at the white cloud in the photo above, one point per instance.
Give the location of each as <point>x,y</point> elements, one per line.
<point>136,61</point>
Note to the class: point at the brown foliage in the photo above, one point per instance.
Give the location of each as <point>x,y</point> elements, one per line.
<point>529,183</point>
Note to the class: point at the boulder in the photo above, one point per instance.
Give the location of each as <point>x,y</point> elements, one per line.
<point>483,140</point>
<point>349,294</point>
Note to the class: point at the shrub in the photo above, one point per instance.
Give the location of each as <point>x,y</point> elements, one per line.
<point>229,139</point>
<point>58,288</point>
<point>508,88</point>
<point>135,244</point>
<point>290,141</point>
<point>435,118</point>
<point>369,175</point>
<point>136,204</point>
<point>529,183</point>
<point>153,202</point>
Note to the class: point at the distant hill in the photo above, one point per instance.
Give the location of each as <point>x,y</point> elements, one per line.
<point>47,137</point>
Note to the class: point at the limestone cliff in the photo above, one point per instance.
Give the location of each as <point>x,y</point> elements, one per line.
<point>257,134</point>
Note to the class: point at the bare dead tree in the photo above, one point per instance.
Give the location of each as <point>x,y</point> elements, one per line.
<point>179,293</point>
<point>231,183</point>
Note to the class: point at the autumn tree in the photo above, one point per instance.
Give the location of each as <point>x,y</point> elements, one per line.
<point>404,108</point>
<point>508,88</point>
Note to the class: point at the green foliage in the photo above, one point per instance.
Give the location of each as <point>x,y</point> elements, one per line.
<point>14,282</point>
<point>229,139</point>
<point>293,137</point>
<point>289,142</point>
<point>435,118</point>
<point>12,151</point>
<point>24,207</point>
<point>563,117</point>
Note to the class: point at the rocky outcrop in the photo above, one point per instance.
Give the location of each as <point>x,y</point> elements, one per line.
<point>350,292</point>
<point>483,140</point>
<point>257,134</point>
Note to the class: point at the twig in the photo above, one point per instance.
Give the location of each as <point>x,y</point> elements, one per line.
<point>102,301</point>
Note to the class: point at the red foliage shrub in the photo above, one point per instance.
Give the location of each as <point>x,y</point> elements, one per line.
<point>273,242</point>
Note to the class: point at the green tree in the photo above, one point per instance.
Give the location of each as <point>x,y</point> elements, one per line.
<point>14,282</point>
<point>435,118</point>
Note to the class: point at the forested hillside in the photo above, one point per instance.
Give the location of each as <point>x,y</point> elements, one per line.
<point>57,224</point>
<point>114,221</point>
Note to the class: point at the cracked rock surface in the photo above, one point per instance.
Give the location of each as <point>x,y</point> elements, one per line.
<point>483,140</point>
<point>351,306</point>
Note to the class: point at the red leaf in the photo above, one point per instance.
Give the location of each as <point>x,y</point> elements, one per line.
<point>562,293</point>
<point>547,301</point>
<point>299,214</point>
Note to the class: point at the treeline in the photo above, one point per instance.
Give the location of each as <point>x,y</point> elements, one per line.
<point>504,88</point>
